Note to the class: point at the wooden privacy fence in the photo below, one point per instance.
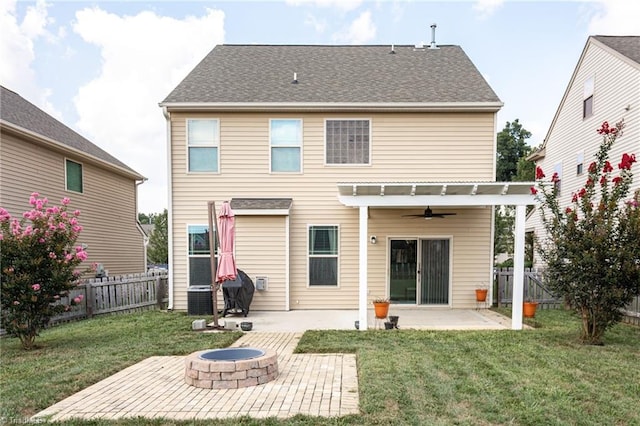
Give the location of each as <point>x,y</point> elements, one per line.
<point>123,293</point>
<point>535,290</point>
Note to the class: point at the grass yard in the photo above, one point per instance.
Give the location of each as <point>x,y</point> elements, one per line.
<point>534,377</point>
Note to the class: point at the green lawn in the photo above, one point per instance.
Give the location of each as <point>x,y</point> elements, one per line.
<point>534,377</point>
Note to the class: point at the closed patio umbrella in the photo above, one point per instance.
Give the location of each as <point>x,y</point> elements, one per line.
<point>226,227</point>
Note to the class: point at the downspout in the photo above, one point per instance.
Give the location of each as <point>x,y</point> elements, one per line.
<point>167,116</point>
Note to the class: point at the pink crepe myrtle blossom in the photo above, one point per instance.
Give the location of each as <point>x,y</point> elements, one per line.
<point>35,287</point>
<point>627,161</point>
<point>539,173</point>
<point>533,190</point>
<point>65,201</point>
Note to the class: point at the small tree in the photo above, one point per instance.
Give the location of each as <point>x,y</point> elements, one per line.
<point>592,249</point>
<point>158,250</point>
<point>38,266</point>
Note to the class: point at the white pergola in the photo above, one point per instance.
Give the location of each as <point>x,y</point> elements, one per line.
<point>363,195</point>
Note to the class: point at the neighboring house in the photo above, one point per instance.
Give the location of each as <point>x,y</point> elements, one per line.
<point>40,154</point>
<point>322,152</point>
<point>605,86</point>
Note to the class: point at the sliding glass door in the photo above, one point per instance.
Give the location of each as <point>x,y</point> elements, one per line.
<point>435,270</point>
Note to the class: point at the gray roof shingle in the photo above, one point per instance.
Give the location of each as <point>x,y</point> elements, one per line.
<point>628,46</point>
<point>16,110</point>
<point>333,74</point>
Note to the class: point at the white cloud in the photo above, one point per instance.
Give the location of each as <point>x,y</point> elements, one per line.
<point>616,17</point>
<point>343,5</point>
<point>486,8</point>
<point>17,52</point>
<point>361,30</point>
<point>318,24</point>
<point>143,58</point>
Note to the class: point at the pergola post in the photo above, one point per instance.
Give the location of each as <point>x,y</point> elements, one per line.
<point>518,268</point>
<point>363,260</point>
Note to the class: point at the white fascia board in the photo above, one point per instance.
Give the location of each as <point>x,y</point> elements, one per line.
<point>335,106</point>
<point>436,200</point>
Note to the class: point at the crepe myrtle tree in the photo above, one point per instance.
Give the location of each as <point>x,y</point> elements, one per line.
<point>39,261</point>
<point>592,246</point>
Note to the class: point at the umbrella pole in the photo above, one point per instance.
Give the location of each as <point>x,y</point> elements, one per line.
<point>213,246</point>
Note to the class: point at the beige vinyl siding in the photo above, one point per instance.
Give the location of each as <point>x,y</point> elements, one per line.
<point>404,147</point>
<point>616,85</point>
<point>107,205</point>
<point>261,251</point>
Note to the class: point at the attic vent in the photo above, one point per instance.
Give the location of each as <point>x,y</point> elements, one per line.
<point>433,37</point>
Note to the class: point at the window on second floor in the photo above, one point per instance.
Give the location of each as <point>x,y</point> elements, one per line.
<point>203,145</point>
<point>285,140</point>
<point>323,255</point>
<point>587,102</point>
<point>73,176</point>
<point>347,141</point>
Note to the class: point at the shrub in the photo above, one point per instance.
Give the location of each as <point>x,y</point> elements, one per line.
<point>38,266</point>
<point>592,249</point>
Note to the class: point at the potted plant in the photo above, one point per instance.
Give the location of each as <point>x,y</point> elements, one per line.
<point>381,307</point>
<point>481,293</point>
<point>529,308</point>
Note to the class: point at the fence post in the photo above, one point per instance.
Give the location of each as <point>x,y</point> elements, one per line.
<point>90,298</point>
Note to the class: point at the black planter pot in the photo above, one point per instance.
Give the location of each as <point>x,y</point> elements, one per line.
<point>246,325</point>
<point>388,326</point>
<point>393,319</point>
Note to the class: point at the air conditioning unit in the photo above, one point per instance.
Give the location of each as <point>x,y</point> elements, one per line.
<point>199,300</point>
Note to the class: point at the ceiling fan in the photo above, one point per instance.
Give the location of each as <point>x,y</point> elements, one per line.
<point>429,214</point>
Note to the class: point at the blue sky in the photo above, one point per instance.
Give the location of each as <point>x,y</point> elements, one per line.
<point>102,67</point>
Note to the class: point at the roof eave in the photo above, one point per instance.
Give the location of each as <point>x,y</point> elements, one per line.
<point>45,141</point>
<point>336,106</point>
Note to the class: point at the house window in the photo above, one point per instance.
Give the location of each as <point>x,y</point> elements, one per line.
<point>579,163</point>
<point>587,98</point>
<point>285,139</point>
<point>323,255</point>
<point>73,176</point>
<point>199,252</point>
<point>347,141</point>
<point>203,145</point>
<point>558,169</point>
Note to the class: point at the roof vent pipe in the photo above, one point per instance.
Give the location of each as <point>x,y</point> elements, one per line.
<point>295,78</point>
<point>433,37</point>
<point>393,49</point>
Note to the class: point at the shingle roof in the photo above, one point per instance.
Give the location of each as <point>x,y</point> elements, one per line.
<point>333,74</point>
<point>261,203</point>
<point>18,111</point>
<point>628,46</point>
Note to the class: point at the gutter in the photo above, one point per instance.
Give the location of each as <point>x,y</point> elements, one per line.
<point>145,237</point>
<point>336,106</point>
<point>167,116</point>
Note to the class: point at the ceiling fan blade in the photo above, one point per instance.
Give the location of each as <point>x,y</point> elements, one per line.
<point>413,215</point>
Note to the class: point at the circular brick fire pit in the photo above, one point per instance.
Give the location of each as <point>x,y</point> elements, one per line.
<point>230,368</point>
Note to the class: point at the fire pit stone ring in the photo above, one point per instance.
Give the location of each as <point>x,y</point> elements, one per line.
<point>230,368</point>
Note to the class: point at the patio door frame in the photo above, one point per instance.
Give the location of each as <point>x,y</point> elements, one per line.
<point>419,257</point>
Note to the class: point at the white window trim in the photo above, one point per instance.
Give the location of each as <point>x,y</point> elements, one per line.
<point>301,146</point>
<point>337,256</point>
<point>324,140</point>
<point>215,145</point>
<point>66,181</point>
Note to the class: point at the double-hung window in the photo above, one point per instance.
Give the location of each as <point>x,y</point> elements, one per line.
<point>199,252</point>
<point>323,255</point>
<point>73,176</point>
<point>347,141</point>
<point>203,145</point>
<point>285,140</point>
